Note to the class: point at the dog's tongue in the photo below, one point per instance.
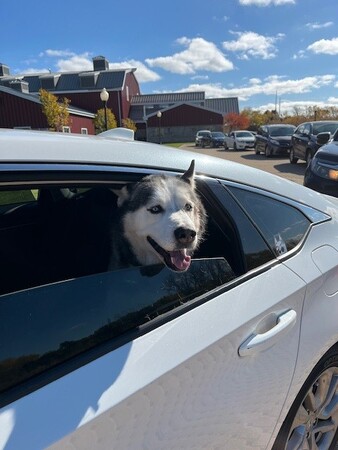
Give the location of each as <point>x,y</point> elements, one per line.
<point>180,259</point>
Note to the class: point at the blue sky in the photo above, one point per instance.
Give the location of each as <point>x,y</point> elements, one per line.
<point>265,52</point>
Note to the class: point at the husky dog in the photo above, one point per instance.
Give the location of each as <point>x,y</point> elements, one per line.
<point>160,219</point>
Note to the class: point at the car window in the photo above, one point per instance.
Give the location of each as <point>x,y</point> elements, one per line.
<point>282,225</point>
<point>244,134</point>
<point>57,297</point>
<point>281,131</point>
<point>324,127</point>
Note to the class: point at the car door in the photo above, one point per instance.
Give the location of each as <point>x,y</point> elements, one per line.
<point>301,140</point>
<point>261,139</point>
<point>210,372</point>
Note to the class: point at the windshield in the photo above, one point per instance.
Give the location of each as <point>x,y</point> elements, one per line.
<point>282,131</point>
<point>204,133</point>
<point>217,134</point>
<point>244,134</point>
<point>324,127</point>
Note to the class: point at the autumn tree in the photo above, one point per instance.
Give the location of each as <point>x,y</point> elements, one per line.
<point>128,123</point>
<point>55,110</point>
<point>99,121</point>
<point>235,121</point>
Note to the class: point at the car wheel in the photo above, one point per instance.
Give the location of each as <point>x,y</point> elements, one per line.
<point>256,150</point>
<point>235,146</point>
<point>308,158</point>
<point>312,422</point>
<point>293,159</point>
<point>267,151</point>
<point>226,146</point>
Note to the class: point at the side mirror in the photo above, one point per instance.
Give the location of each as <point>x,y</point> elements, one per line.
<point>323,138</point>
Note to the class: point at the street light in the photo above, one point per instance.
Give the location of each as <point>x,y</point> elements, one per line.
<point>104,95</point>
<point>159,115</point>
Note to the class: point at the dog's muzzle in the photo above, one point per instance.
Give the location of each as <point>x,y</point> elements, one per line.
<point>177,260</point>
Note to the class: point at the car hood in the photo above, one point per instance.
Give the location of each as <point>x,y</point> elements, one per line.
<point>329,152</point>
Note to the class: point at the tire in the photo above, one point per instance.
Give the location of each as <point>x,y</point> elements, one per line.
<point>293,159</point>
<point>312,422</point>
<point>235,146</point>
<point>268,151</point>
<point>256,150</point>
<point>308,157</point>
<point>226,146</point>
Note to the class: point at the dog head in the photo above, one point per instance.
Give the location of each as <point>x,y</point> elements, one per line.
<point>163,219</point>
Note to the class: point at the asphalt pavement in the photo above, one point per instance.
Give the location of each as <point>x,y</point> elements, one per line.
<point>278,165</point>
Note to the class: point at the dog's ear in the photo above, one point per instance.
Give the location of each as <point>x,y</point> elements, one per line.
<point>188,176</point>
<point>122,195</point>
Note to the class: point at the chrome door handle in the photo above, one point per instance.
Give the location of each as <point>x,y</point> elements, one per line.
<point>259,342</point>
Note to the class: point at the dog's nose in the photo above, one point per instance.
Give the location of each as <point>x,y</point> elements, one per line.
<point>184,235</point>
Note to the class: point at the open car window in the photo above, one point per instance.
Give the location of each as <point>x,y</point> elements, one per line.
<point>59,302</point>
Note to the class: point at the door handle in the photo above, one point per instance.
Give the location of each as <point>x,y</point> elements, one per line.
<point>259,342</point>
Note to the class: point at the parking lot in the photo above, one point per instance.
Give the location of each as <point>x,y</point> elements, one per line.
<point>277,165</point>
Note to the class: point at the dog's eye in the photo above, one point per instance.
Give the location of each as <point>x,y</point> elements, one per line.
<point>188,207</point>
<point>157,209</point>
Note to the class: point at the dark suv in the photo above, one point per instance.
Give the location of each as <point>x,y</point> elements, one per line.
<point>304,140</point>
<point>274,139</point>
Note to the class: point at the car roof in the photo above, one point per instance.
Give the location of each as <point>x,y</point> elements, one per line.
<point>22,147</point>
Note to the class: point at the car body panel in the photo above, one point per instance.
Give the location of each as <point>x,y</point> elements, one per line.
<point>304,139</point>
<point>321,174</point>
<point>201,362</point>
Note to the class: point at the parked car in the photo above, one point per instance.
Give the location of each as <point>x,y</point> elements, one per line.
<point>240,350</point>
<point>304,140</point>
<point>203,138</point>
<point>239,140</point>
<point>321,173</point>
<point>274,139</point>
<point>217,139</point>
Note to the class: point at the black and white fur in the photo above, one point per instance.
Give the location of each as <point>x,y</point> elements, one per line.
<point>160,219</point>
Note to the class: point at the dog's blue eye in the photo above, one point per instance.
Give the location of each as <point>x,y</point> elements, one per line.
<point>188,207</point>
<point>156,209</point>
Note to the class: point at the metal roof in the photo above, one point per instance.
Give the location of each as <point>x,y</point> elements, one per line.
<point>71,81</point>
<point>167,98</point>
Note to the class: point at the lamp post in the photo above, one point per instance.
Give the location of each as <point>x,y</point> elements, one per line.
<point>104,95</point>
<point>159,115</point>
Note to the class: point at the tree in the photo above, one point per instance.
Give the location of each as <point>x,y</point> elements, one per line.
<point>55,110</point>
<point>128,123</point>
<point>236,121</point>
<point>99,121</point>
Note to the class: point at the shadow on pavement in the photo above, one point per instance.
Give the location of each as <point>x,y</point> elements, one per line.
<point>297,169</point>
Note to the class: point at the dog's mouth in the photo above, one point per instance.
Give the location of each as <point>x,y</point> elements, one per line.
<point>177,260</point>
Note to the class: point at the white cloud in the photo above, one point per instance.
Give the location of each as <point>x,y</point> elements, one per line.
<point>269,86</point>
<point>143,73</point>
<point>250,44</point>
<point>199,55</point>
<point>327,46</point>
<point>317,26</point>
<point>75,63</point>
<point>57,53</point>
<point>265,2</point>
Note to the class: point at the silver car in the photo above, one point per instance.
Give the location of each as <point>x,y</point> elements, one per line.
<point>238,352</point>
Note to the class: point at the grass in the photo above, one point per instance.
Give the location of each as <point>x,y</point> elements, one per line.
<point>175,144</point>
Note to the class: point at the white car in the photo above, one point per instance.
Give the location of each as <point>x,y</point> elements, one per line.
<point>240,140</point>
<point>239,352</point>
